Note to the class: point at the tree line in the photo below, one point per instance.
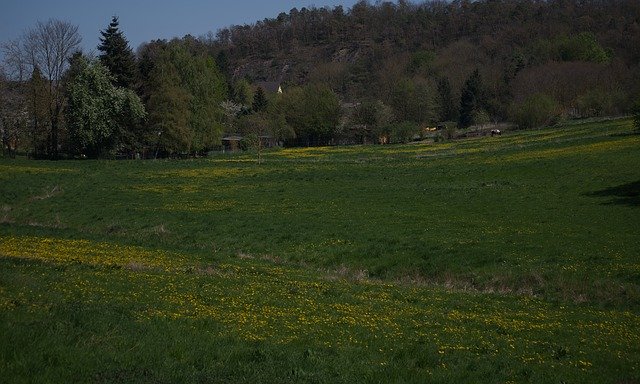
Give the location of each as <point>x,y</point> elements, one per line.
<point>115,104</point>
<point>373,73</point>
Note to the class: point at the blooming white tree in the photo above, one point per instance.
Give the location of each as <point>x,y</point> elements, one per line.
<point>97,110</point>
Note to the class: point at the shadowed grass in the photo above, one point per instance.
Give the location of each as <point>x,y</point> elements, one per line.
<point>625,194</point>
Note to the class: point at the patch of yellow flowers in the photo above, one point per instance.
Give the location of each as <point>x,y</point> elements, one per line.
<point>282,304</point>
<point>87,252</point>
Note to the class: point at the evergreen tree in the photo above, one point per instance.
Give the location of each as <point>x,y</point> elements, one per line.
<point>259,101</point>
<point>76,63</point>
<point>471,100</point>
<point>241,92</point>
<point>222,61</point>
<point>445,100</point>
<point>117,56</point>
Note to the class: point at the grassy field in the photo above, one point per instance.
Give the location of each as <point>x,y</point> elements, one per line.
<point>507,259</point>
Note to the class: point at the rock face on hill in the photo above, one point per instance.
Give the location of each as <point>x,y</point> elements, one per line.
<point>297,66</point>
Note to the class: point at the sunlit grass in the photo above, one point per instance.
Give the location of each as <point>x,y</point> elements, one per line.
<point>86,252</point>
<point>630,142</point>
<point>7,170</point>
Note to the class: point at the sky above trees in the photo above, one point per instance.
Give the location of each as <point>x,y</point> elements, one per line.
<point>145,20</point>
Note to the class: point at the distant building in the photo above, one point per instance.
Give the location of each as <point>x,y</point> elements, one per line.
<point>269,86</point>
<point>231,143</point>
<point>268,141</point>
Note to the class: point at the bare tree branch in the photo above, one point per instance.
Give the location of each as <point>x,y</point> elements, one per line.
<point>48,47</point>
<point>15,62</point>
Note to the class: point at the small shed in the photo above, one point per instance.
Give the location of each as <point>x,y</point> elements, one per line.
<point>231,143</point>
<point>268,141</point>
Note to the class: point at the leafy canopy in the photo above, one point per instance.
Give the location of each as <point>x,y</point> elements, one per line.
<point>96,108</point>
<point>313,111</point>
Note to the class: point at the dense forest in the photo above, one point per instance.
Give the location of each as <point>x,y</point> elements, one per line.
<point>375,73</point>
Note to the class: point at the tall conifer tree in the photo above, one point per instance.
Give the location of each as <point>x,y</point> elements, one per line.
<point>117,56</point>
<point>445,100</point>
<point>471,100</point>
<point>259,100</point>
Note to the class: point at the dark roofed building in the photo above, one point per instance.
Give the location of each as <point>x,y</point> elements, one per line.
<point>269,86</point>
<point>231,143</point>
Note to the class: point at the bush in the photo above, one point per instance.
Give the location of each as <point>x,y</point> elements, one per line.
<point>403,132</point>
<point>481,117</point>
<point>450,132</point>
<point>535,111</point>
<point>599,102</point>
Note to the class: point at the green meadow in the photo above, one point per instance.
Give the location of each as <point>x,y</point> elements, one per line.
<point>512,259</point>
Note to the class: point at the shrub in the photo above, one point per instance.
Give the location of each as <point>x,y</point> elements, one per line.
<point>481,117</point>
<point>535,111</point>
<point>599,102</point>
<point>403,132</point>
<point>450,132</point>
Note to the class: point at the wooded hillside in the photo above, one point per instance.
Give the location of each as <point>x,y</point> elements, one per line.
<point>578,58</point>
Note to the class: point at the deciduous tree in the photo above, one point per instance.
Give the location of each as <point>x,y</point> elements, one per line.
<point>537,110</point>
<point>314,113</point>
<point>168,108</point>
<point>49,46</point>
<point>97,110</point>
<point>412,100</point>
<point>370,120</point>
<point>242,93</point>
<point>183,90</point>
<point>13,115</point>
<point>206,87</point>
<point>38,105</point>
